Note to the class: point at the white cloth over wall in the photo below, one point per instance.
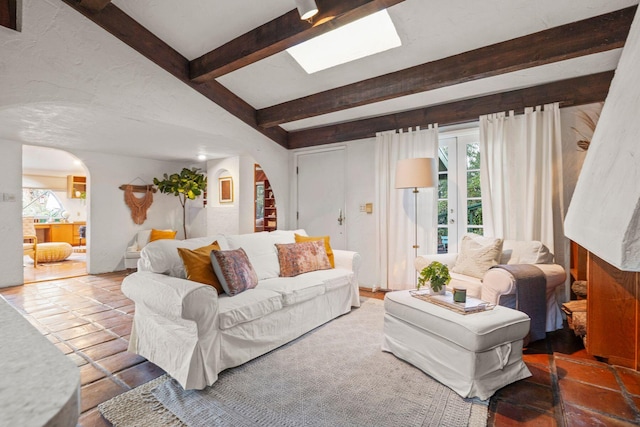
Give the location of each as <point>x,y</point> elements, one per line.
<point>395,213</point>
<point>521,175</point>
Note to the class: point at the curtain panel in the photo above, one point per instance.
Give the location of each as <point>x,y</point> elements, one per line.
<point>395,214</point>
<point>521,176</point>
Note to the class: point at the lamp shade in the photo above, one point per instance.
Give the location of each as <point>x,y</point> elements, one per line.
<point>414,173</point>
<point>306,8</point>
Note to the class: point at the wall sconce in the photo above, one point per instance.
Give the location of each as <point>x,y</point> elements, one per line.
<point>307,9</point>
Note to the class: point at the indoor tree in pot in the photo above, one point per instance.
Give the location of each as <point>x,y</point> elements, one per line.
<point>187,185</point>
<point>437,274</point>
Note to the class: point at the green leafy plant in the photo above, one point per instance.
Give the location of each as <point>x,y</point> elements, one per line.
<point>438,275</point>
<point>187,185</point>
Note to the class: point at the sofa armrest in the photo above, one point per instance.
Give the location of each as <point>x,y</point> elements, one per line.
<point>348,260</point>
<point>497,282</point>
<point>424,260</point>
<point>172,297</point>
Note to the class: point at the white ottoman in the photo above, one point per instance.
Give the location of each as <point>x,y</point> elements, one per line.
<point>474,354</point>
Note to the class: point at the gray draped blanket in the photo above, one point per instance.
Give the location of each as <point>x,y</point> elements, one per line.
<point>531,296</point>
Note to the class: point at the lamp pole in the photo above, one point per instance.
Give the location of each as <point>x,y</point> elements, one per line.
<point>415,222</point>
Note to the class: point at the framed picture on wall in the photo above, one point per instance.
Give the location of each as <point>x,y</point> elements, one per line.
<point>225,185</point>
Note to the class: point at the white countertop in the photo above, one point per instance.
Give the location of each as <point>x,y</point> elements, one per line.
<point>39,386</point>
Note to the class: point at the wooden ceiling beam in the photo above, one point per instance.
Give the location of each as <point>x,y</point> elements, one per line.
<point>94,5</point>
<point>129,31</point>
<point>279,34</point>
<point>8,14</point>
<point>576,91</point>
<point>589,36</point>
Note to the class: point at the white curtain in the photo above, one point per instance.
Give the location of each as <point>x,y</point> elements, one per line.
<point>395,213</point>
<point>521,175</point>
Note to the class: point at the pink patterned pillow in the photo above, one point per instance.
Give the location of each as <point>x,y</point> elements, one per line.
<point>234,271</point>
<point>298,258</point>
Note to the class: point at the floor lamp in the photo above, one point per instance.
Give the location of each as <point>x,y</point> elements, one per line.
<point>415,173</point>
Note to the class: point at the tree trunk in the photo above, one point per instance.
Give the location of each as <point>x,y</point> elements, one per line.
<point>183,201</point>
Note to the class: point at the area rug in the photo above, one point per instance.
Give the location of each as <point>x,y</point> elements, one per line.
<point>335,375</point>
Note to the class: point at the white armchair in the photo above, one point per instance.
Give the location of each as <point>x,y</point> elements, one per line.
<point>498,286</point>
<point>132,253</point>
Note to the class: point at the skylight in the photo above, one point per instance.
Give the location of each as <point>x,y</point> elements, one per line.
<point>367,36</point>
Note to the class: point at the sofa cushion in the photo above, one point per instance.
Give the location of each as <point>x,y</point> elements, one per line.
<point>289,235</point>
<point>161,234</point>
<point>261,250</point>
<point>247,306</point>
<point>294,290</point>
<point>327,245</point>
<point>162,256</point>
<point>233,270</point>
<point>332,278</point>
<point>299,258</point>
<point>525,252</point>
<point>198,267</point>
<point>477,255</point>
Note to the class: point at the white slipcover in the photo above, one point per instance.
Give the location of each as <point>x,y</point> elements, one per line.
<point>193,333</point>
<point>474,354</point>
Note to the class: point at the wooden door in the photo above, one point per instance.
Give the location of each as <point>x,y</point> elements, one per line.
<point>321,195</point>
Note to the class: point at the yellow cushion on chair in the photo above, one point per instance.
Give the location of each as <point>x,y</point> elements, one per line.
<point>162,234</point>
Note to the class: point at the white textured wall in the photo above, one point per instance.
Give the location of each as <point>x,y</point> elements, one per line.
<point>604,215</point>
<point>222,218</point>
<point>246,195</point>
<point>66,83</point>
<point>110,228</point>
<point>11,214</point>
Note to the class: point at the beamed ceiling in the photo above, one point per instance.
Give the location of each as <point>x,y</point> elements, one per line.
<point>450,89</point>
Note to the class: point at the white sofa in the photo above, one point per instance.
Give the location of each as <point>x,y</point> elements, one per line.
<point>193,333</point>
<point>498,286</point>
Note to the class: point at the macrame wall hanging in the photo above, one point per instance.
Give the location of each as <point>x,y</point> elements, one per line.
<point>138,205</point>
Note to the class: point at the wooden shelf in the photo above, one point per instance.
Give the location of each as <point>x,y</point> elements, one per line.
<point>269,222</point>
<point>76,187</point>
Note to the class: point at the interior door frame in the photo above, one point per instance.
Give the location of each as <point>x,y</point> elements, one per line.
<point>294,186</point>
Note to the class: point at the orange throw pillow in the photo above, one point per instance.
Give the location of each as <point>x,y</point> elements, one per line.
<point>197,265</point>
<point>162,234</point>
<point>327,246</point>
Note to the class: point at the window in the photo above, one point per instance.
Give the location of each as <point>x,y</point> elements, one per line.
<point>44,205</point>
<point>459,197</point>
<point>367,36</point>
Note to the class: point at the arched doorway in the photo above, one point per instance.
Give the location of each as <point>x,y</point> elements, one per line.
<point>54,191</point>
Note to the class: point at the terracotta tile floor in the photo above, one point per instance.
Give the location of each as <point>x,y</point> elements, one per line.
<point>89,320</point>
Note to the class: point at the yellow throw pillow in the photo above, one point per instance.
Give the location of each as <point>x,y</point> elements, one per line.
<point>162,234</point>
<point>197,265</point>
<point>327,246</point>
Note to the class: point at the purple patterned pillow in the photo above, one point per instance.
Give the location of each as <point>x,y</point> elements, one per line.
<point>298,258</point>
<point>234,271</point>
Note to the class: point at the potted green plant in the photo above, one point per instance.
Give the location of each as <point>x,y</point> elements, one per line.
<point>437,274</point>
<point>187,185</point>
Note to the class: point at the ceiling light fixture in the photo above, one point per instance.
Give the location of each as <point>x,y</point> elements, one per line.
<point>202,157</point>
<point>307,8</point>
